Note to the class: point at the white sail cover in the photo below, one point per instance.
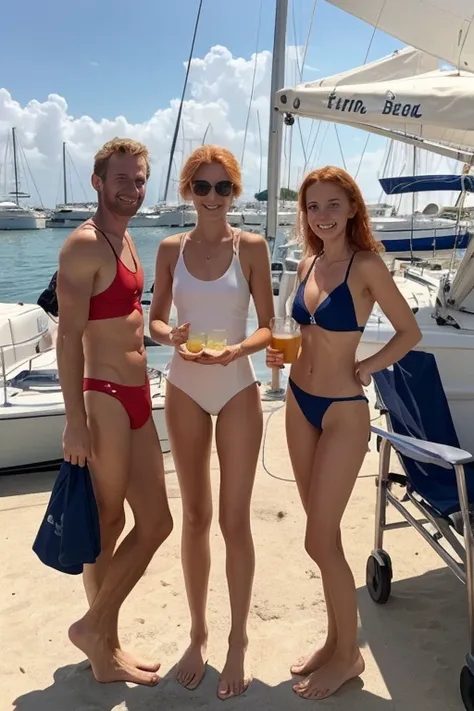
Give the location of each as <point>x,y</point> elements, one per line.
<point>403,96</point>
<point>443,28</point>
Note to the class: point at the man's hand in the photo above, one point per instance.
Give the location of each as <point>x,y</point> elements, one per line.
<point>76,444</point>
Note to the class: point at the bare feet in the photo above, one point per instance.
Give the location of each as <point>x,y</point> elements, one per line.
<point>232,681</point>
<point>129,658</point>
<point>138,663</point>
<point>309,664</point>
<point>329,678</point>
<point>192,665</point>
<point>108,663</point>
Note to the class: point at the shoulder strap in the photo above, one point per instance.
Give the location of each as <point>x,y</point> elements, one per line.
<point>104,235</point>
<point>182,243</point>
<point>349,267</point>
<point>310,270</point>
<point>127,240</point>
<point>236,241</point>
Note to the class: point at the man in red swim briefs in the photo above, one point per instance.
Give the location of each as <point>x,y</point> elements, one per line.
<point>109,425</point>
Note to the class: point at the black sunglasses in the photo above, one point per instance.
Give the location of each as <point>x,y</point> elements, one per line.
<point>203,187</point>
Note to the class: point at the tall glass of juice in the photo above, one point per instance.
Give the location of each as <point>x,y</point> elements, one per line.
<point>286,337</point>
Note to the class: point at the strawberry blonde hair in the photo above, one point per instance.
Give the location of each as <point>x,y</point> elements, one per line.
<point>210,154</point>
<point>359,233</point>
<point>119,145</point>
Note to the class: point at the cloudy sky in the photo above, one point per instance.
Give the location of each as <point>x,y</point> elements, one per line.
<point>86,72</point>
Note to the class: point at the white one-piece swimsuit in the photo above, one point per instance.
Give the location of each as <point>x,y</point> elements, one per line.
<point>208,305</point>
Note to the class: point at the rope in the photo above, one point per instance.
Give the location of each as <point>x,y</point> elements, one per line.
<point>253,83</point>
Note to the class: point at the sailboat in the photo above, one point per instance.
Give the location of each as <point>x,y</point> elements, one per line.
<point>13,215</point>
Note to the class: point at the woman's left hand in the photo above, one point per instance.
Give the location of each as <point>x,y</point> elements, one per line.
<point>224,357</point>
<point>363,373</point>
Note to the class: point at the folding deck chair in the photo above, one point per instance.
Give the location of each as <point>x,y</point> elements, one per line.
<point>438,476</point>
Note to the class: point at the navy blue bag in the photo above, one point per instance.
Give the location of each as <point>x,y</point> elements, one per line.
<point>69,535</point>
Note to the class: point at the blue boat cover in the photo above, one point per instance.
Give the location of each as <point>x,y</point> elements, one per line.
<point>69,534</point>
<point>425,183</point>
<point>414,397</point>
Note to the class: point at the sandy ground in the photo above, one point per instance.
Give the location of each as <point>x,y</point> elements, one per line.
<point>414,646</point>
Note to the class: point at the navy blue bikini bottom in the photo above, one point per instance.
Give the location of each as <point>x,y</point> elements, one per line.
<point>314,407</point>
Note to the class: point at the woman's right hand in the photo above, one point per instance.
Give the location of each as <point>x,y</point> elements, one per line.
<point>274,358</point>
<point>179,335</point>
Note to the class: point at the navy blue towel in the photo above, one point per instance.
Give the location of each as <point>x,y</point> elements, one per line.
<point>69,535</point>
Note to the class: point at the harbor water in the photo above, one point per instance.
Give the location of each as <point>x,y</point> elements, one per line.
<point>29,259</point>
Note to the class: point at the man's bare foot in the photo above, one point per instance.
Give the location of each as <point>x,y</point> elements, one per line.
<point>192,665</point>
<point>108,664</point>
<point>309,664</point>
<point>133,661</point>
<point>129,658</point>
<point>329,678</point>
<point>232,681</point>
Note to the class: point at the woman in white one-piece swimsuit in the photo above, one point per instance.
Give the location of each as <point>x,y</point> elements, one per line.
<point>210,274</point>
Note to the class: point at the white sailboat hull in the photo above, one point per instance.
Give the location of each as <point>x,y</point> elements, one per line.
<point>22,222</point>
<point>33,441</point>
<point>33,418</point>
<point>32,414</point>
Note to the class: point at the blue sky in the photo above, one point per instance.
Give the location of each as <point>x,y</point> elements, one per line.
<point>110,59</point>
<point>107,60</point>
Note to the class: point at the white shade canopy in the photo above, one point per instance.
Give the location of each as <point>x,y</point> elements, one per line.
<point>403,96</point>
<point>442,28</point>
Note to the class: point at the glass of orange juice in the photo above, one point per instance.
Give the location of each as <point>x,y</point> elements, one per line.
<point>196,341</point>
<point>216,341</point>
<point>286,337</point>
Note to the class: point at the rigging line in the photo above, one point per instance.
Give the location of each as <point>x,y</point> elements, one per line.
<point>295,39</point>
<point>322,143</point>
<point>180,110</point>
<point>297,71</point>
<point>300,72</point>
<point>365,62</point>
<point>309,32</point>
<point>466,34</point>
<point>29,171</point>
<point>362,155</point>
<point>313,146</point>
<point>253,83</point>
<point>308,37</point>
<point>302,142</point>
<point>58,190</point>
<point>340,147</point>
<point>77,173</point>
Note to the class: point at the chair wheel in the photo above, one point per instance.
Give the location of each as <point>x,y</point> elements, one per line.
<point>378,577</point>
<point>466,683</point>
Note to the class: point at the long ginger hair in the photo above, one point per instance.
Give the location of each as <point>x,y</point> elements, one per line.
<point>359,233</point>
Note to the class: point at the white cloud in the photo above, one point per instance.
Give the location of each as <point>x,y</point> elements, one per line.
<point>218,95</point>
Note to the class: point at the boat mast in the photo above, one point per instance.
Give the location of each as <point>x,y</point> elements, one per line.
<point>15,167</point>
<point>276,119</point>
<point>180,110</point>
<point>64,173</point>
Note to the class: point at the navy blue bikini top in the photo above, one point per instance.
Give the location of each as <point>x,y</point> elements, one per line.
<point>335,313</point>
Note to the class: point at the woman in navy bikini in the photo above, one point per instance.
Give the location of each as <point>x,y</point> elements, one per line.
<point>327,416</point>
